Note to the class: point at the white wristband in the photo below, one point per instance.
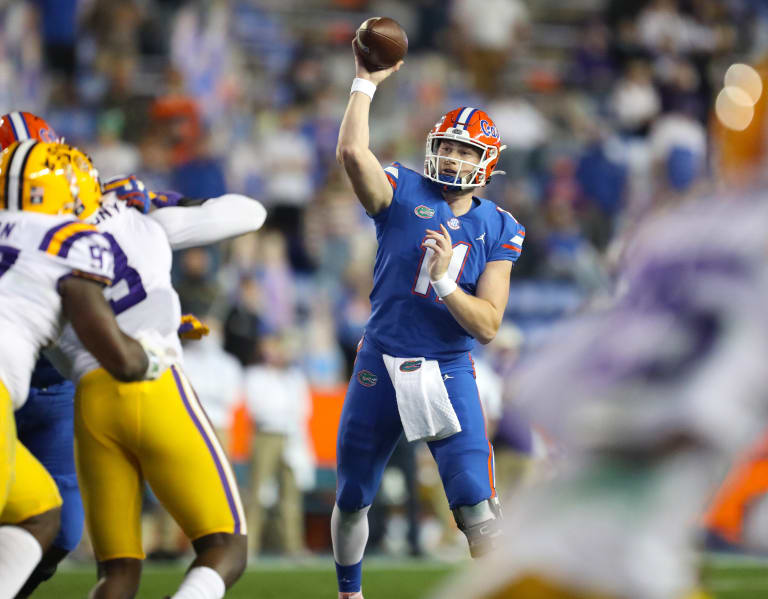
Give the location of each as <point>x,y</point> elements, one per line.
<point>364,86</point>
<point>444,286</point>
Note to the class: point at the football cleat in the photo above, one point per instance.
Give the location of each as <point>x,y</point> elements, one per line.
<point>21,126</point>
<point>469,126</point>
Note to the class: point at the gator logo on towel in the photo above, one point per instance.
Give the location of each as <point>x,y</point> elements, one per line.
<point>410,365</point>
<point>423,211</point>
<point>366,378</point>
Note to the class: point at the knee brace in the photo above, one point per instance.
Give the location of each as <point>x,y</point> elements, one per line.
<point>481,524</point>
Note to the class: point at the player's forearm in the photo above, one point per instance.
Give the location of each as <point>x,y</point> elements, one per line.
<point>362,167</point>
<point>92,319</point>
<point>477,316</point>
<point>354,134</point>
<point>217,219</point>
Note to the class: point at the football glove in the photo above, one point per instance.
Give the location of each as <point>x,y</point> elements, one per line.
<point>159,356</point>
<point>131,190</point>
<point>192,327</point>
<point>163,199</point>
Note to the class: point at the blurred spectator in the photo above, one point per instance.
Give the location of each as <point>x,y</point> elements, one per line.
<point>279,403</point>
<point>59,27</point>
<point>21,63</point>
<point>399,487</point>
<point>678,145</point>
<point>488,32</point>
<point>276,280</point>
<point>176,116</point>
<point>524,129</point>
<point>322,358</point>
<point>111,154</point>
<point>593,67</point>
<point>288,157</point>
<point>353,309</point>
<point>195,284</point>
<point>662,27</point>
<point>200,175</point>
<point>635,101</point>
<point>243,322</point>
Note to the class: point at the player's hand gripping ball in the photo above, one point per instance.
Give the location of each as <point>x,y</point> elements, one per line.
<point>381,42</point>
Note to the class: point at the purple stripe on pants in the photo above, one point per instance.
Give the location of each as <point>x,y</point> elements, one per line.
<point>219,467</point>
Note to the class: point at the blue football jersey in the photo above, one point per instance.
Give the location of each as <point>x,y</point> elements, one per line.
<point>407,318</point>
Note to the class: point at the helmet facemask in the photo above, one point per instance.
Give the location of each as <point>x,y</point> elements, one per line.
<point>433,162</point>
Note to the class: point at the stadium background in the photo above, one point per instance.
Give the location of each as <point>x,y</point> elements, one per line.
<point>608,108</point>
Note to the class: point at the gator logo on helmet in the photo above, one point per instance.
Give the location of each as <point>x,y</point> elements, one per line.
<point>489,129</point>
<point>366,378</point>
<point>423,211</point>
<point>410,365</point>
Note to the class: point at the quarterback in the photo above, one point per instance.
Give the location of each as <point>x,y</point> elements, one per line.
<point>440,280</point>
<point>51,266</point>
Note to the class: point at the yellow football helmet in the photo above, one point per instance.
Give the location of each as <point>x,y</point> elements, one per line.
<point>52,178</point>
<point>89,197</point>
<point>37,177</point>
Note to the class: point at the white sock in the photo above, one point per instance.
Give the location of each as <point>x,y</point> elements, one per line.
<point>476,514</point>
<point>201,583</point>
<point>19,554</point>
<point>349,533</point>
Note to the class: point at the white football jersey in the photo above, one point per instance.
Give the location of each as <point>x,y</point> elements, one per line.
<point>141,294</point>
<point>36,252</point>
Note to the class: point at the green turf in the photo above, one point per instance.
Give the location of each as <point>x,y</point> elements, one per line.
<point>282,582</point>
<point>726,576</point>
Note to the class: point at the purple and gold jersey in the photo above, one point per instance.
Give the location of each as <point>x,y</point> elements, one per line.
<point>407,318</point>
<point>36,252</point>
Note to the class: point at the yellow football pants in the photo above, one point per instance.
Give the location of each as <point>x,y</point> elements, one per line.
<point>26,488</point>
<point>126,433</point>
<point>7,444</point>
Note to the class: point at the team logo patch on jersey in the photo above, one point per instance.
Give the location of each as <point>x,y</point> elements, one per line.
<point>366,378</point>
<point>410,365</point>
<point>423,211</point>
<point>453,223</point>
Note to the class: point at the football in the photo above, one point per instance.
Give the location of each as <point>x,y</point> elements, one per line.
<point>382,42</point>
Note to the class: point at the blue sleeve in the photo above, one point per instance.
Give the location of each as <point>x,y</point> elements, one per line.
<point>394,173</point>
<point>509,245</point>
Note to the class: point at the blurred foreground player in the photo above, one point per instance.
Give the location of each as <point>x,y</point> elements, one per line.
<point>441,280</point>
<point>650,398</point>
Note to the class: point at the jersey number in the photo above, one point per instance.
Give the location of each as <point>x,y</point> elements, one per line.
<point>423,283</point>
<point>9,255</point>
<point>126,280</point>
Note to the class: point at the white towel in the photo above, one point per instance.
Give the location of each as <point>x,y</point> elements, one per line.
<point>422,399</point>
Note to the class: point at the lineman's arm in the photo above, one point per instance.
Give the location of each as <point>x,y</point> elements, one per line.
<point>212,221</point>
<point>92,319</point>
<point>363,168</point>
